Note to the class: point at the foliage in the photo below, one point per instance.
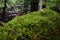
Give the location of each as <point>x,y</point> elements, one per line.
<point>40,25</point>
<point>1,4</point>
<point>56,7</point>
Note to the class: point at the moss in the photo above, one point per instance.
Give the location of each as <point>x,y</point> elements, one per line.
<point>39,25</point>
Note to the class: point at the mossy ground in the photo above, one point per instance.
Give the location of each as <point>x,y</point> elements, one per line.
<point>39,25</point>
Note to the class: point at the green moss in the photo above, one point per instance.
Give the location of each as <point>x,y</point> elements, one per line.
<point>39,25</point>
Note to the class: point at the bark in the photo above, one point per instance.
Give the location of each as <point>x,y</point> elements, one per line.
<point>4,8</point>
<point>41,4</point>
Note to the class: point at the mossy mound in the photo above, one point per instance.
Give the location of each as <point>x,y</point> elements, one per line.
<point>39,25</point>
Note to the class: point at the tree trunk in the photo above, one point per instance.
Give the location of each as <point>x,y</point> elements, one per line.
<point>4,8</point>
<point>41,4</point>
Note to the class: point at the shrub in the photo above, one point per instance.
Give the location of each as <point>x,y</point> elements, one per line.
<point>39,25</point>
